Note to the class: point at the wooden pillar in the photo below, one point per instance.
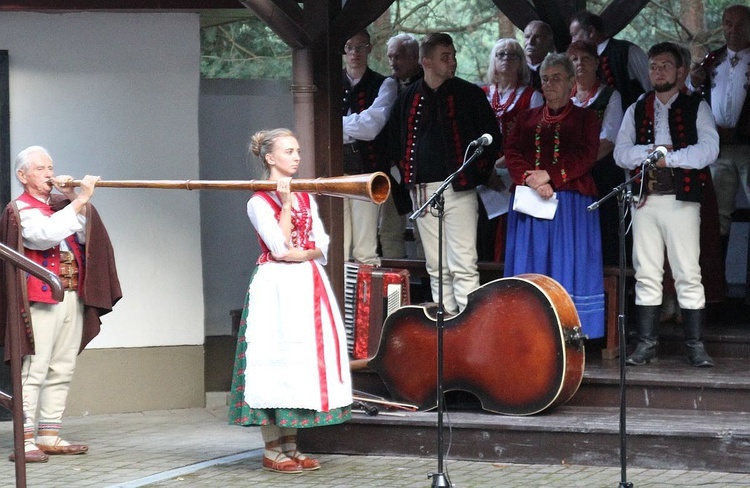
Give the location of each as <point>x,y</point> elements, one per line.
<point>326,129</point>
<point>303,95</point>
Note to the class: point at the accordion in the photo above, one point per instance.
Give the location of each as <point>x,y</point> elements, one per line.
<point>370,294</point>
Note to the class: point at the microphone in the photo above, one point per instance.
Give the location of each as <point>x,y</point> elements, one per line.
<point>656,155</point>
<point>485,140</point>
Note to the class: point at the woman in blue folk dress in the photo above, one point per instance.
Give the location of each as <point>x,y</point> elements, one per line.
<point>552,150</point>
<point>291,369</point>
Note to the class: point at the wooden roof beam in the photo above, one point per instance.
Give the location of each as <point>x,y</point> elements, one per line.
<point>285,18</point>
<point>356,15</point>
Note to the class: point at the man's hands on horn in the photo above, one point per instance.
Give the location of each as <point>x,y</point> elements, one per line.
<point>78,199</point>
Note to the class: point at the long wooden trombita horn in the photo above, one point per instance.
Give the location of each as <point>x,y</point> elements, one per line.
<point>370,187</point>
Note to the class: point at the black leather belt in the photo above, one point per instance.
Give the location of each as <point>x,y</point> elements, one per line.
<point>350,149</point>
<point>661,181</point>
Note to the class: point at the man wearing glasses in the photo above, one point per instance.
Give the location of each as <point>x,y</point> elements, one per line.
<point>367,100</point>
<point>667,215</point>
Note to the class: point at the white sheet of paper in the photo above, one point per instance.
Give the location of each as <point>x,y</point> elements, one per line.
<point>529,202</point>
<point>495,202</point>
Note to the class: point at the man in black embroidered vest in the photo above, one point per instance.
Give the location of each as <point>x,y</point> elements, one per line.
<point>432,124</point>
<point>623,64</point>
<point>723,78</point>
<point>538,42</point>
<point>367,101</point>
<point>403,59</point>
<point>64,234</point>
<point>667,215</point>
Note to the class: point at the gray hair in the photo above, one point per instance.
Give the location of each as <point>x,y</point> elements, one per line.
<point>22,159</point>
<point>407,41</point>
<point>558,59</point>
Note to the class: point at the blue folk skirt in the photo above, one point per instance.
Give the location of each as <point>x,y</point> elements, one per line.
<point>568,249</point>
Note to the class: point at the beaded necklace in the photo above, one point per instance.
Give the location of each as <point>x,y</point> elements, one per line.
<point>549,119</point>
<point>585,101</point>
<point>498,107</point>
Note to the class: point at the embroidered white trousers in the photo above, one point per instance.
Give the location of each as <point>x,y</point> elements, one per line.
<point>664,223</point>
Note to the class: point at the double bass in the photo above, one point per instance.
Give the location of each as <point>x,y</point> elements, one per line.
<point>517,346</point>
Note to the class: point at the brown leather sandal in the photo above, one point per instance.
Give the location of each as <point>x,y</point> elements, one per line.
<point>304,462</point>
<point>280,463</point>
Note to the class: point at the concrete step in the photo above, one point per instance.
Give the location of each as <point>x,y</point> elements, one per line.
<point>656,438</point>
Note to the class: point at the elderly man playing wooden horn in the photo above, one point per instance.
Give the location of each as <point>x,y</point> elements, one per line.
<point>64,234</point>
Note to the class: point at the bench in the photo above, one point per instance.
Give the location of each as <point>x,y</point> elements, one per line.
<point>489,271</point>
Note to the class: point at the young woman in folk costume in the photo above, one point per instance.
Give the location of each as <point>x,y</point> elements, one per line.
<point>291,369</point>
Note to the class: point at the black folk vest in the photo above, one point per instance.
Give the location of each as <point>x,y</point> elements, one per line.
<point>683,115</point>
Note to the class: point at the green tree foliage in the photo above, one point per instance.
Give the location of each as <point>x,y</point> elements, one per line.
<point>249,49</point>
<point>669,20</point>
<point>244,49</point>
<point>473,25</point>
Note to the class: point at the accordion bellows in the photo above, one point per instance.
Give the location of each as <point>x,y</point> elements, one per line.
<point>371,293</point>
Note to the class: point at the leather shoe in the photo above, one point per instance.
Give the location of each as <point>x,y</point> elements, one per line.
<point>281,464</point>
<point>306,463</point>
<point>33,456</point>
<point>62,449</point>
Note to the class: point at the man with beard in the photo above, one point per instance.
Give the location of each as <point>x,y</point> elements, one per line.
<point>667,215</point>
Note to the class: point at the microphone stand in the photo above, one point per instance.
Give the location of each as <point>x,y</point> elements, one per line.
<point>437,201</point>
<point>624,198</point>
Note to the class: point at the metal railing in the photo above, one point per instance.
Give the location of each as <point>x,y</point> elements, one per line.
<point>14,402</point>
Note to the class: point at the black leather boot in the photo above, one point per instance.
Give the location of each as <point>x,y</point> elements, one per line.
<point>692,323</point>
<point>645,351</point>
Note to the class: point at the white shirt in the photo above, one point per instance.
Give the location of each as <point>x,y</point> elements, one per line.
<point>263,218</point>
<point>729,86</point>
<point>41,232</point>
<point>366,125</point>
<point>536,100</point>
<point>630,155</point>
<point>612,114</point>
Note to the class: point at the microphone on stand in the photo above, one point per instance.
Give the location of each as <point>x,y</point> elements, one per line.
<point>650,160</point>
<point>485,140</point>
